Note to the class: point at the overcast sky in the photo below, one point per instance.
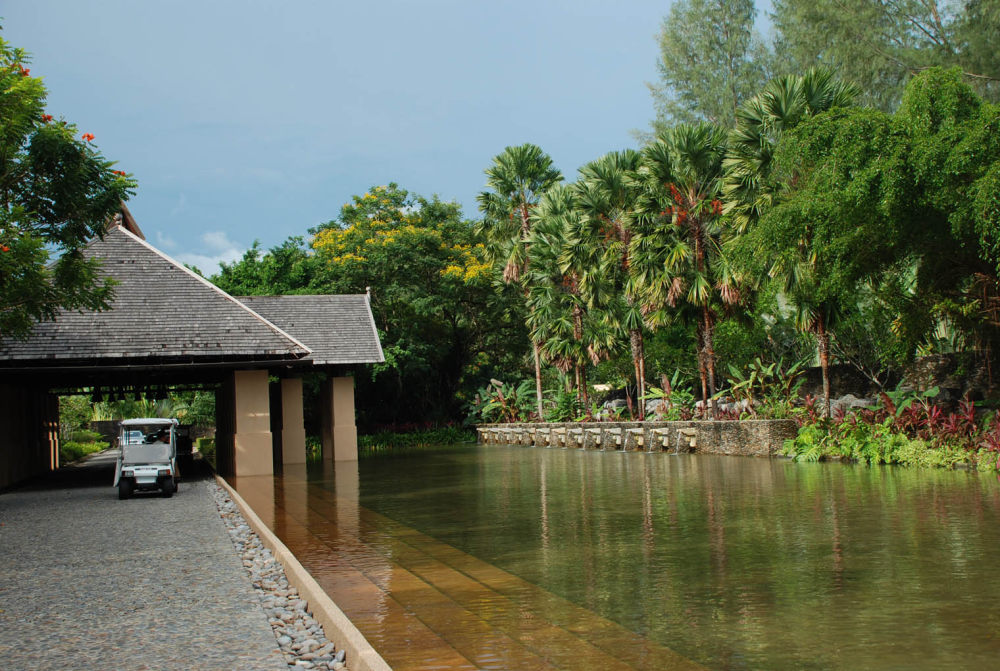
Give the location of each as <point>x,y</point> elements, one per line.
<point>245,120</point>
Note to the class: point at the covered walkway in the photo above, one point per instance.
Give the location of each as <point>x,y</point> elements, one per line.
<point>93,582</point>
<point>170,329</point>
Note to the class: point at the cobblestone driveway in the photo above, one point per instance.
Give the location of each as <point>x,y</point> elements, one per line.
<point>91,582</point>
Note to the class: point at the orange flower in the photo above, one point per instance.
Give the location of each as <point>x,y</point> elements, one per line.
<point>24,71</point>
<point>119,172</point>
<point>4,248</point>
<point>46,118</point>
<point>88,137</point>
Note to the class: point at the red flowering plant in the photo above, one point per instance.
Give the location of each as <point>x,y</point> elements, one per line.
<point>61,193</point>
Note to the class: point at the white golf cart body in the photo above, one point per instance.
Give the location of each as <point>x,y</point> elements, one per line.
<point>147,456</point>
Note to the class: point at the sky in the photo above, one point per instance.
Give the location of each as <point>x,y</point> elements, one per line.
<point>246,120</point>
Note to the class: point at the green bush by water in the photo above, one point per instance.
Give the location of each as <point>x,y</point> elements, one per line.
<point>878,444</point>
<point>387,443</point>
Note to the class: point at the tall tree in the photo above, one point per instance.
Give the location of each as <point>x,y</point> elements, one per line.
<point>783,104</point>
<point>678,259</point>
<point>285,269</point>
<point>56,193</point>
<point>711,59</point>
<point>880,45</point>
<point>835,221</point>
<point>572,334</point>
<point>607,193</point>
<point>517,178</point>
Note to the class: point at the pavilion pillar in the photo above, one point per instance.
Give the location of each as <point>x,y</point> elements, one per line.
<point>340,435</point>
<point>251,415</point>
<point>293,429</point>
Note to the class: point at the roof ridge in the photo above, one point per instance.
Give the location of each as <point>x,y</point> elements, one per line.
<point>371,318</point>
<point>208,284</point>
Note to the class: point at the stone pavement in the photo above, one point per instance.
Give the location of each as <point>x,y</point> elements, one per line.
<point>91,582</point>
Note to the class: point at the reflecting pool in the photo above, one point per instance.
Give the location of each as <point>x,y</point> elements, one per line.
<point>531,558</point>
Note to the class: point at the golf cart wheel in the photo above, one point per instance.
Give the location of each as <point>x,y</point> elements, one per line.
<point>169,487</point>
<point>124,488</point>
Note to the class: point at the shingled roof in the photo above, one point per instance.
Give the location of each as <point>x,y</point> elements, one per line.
<point>162,312</point>
<point>338,329</point>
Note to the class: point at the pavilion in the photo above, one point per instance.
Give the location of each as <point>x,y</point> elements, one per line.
<point>168,327</point>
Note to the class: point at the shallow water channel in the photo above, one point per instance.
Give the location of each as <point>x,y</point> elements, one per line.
<point>531,558</point>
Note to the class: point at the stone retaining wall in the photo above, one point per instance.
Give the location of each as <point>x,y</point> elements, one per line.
<point>757,437</point>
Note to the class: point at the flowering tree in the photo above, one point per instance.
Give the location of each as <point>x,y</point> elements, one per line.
<point>56,193</point>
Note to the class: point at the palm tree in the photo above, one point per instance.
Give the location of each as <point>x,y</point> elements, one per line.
<point>760,122</point>
<point>517,178</point>
<point>569,331</point>
<point>784,103</point>
<point>607,194</point>
<point>678,250</point>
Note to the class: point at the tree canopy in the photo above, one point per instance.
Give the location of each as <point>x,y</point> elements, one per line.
<point>57,193</point>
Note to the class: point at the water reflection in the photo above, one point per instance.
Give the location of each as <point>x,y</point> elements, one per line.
<point>533,558</point>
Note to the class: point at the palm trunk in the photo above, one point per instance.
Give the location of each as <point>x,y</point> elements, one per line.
<point>709,358</point>
<point>823,345</point>
<point>642,370</point>
<point>538,381</point>
<point>635,341</point>
<point>583,389</point>
<point>703,373</point>
<point>576,380</point>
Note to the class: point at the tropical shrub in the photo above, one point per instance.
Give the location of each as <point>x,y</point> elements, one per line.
<point>71,450</point>
<point>905,428</point>
<point>499,402</point>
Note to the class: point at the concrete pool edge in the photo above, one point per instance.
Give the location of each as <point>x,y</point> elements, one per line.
<point>742,437</point>
<point>361,656</point>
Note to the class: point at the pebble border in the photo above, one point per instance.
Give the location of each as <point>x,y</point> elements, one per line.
<point>300,637</point>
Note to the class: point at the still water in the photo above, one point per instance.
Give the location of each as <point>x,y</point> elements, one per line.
<point>523,558</point>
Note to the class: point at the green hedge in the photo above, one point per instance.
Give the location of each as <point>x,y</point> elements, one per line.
<point>72,450</point>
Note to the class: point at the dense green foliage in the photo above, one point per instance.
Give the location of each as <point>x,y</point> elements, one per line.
<point>385,443</point>
<point>906,429</point>
<point>72,450</point>
<point>880,45</point>
<point>56,193</point>
<point>443,329</point>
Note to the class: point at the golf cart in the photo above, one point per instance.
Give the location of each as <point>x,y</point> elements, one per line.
<point>147,456</point>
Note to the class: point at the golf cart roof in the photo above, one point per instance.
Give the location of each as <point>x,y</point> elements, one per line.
<point>146,421</point>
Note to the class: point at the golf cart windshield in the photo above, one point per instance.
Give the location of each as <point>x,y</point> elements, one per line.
<point>147,441</point>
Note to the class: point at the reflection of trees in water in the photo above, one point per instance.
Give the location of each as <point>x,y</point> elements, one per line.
<point>726,558</point>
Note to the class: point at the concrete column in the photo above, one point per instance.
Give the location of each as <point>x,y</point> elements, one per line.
<point>340,435</point>
<point>293,430</point>
<point>252,445</point>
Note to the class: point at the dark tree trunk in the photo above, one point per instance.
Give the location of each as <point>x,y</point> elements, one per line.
<point>823,345</point>
<point>710,358</point>
<point>703,373</point>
